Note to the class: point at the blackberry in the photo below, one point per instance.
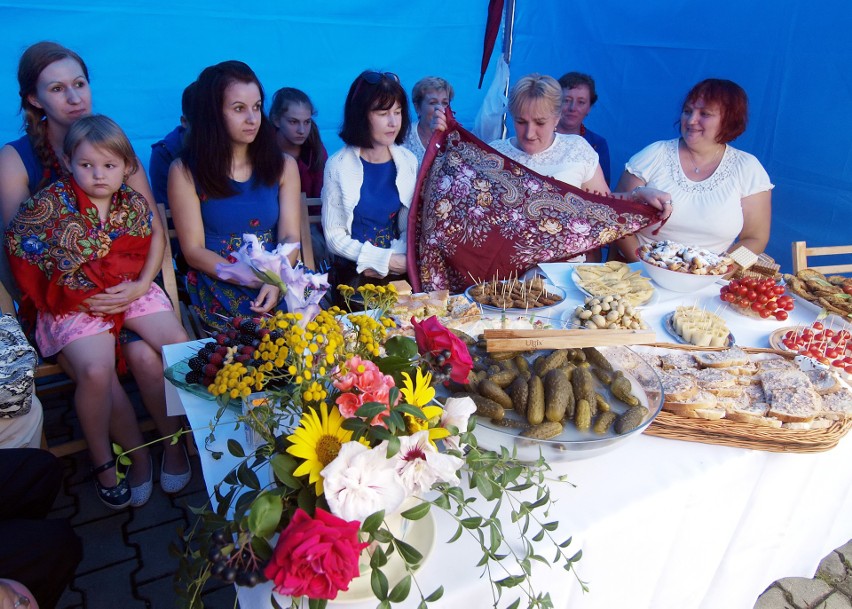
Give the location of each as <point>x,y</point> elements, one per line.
<point>207,349</point>
<point>196,363</point>
<point>275,335</point>
<point>249,327</point>
<point>193,377</point>
<point>245,339</point>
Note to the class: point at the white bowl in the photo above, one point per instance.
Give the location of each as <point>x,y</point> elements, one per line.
<point>677,281</point>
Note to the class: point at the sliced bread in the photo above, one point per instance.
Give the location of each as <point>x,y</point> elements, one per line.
<point>721,359</point>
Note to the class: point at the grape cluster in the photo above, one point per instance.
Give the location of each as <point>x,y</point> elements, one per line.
<point>439,362</point>
<point>237,343</point>
<point>234,563</point>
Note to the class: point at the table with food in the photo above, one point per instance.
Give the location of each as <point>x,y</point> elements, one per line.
<point>692,406</point>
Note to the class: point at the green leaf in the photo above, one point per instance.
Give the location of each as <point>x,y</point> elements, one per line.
<point>401,346</point>
<point>414,411</point>
<point>317,603</point>
<point>248,477</point>
<point>284,465</point>
<point>417,512</point>
<point>576,556</point>
<point>235,448</point>
<point>510,581</point>
<point>409,553</point>
<point>373,522</point>
<point>382,536</point>
<point>442,502</point>
<point>379,558</point>
<point>566,543</point>
<point>393,446</point>
<point>371,409</point>
<point>116,449</point>
<point>456,535</point>
<point>124,460</point>
<point>400,591</point>
<point>261,547</point>
<point>539,536</point>
<point>379,584</point>
<point>436,595</point>
<point>515,605</point>
<point>472,522</point>
<point>265,514</point>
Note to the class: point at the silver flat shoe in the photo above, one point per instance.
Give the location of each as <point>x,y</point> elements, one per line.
<point>175,483</point>
<point>139,495</point>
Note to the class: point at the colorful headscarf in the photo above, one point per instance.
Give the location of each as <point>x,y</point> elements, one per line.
<point>478,214</point>
<point>61,254</point>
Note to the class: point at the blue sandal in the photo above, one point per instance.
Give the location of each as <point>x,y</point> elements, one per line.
<point>114,497</point>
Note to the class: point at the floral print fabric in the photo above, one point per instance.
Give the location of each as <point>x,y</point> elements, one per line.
<point>478,215</point>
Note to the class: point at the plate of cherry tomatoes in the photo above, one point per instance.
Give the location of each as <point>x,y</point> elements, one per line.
<point>829,346</point>
<point>758,298</point>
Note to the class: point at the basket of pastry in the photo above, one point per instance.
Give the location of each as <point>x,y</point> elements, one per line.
<point>749,398</point>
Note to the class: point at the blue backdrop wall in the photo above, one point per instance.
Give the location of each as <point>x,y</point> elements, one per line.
<point>793,59</point>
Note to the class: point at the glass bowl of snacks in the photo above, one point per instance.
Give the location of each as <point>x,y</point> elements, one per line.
<point>682,268</point>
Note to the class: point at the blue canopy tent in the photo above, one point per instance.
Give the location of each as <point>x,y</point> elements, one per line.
<point>792,58</point>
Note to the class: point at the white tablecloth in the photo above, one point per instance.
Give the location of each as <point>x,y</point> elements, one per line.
<point>662,523</point>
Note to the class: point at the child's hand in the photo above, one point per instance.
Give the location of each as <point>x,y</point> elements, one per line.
<point>266,299</point>
<point>117,298</point>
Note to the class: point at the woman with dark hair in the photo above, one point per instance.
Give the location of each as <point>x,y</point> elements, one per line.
<point>719,194</point>
<point>231,179</point>
<point>53,84</point>
<point>369,184</point>
<point>292,114</point>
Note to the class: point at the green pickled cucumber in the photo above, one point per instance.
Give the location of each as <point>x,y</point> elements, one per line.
<point>583,415</point>
<point>583,384</point>
<point>622,389</point>
<point>630,420</point>
<point>493,391</point>
<point>535,401</point>
<point>466,338</point>
<point>555,360</point>
<point>604,422</point>
<point>500,356</point>
<point>488,408</point>
<point>543,431</point>
<point>521,364</point>
<point>603,405</point>
<point>557,393</point>
<point>597,359</point>
<point>519,391</point>
<point>503,378</point>
<point>603,376</point>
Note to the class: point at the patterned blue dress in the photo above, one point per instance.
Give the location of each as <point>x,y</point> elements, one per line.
<point>253,209</point>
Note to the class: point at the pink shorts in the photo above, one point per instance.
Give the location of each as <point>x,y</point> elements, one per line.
<point>54,333</point>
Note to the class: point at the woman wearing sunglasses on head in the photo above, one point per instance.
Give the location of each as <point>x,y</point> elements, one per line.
<point>369,184</point>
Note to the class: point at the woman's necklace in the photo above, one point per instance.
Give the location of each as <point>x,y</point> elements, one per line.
<point>695,167</point>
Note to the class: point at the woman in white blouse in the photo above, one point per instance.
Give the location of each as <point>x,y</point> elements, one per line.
<point>720,195</point>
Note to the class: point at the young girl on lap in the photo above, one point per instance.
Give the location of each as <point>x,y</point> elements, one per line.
<point>83,236</point>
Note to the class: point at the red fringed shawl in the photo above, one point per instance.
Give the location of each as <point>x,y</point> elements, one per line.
<point>478,214</point>
<point>60,254</point>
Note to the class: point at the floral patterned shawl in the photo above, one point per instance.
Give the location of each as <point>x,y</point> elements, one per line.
<point>61,254</point>
<point>478,214</point>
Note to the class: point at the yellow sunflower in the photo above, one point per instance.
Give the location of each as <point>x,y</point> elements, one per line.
<point>317,440</point>
<point>420,392</point>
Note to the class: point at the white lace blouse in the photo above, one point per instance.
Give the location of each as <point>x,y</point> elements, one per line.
<point>569,158</point>
<point>708,213</point>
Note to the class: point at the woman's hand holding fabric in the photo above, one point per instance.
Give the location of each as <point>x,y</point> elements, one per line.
<point>657,199</point>
<point>439,120</point>
<point>267,298</point>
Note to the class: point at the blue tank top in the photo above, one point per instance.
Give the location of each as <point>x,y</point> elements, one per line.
<point>35,170</point>
<point>375,218</point>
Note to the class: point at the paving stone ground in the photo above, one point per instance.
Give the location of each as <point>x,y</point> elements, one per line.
<point>127,564</point>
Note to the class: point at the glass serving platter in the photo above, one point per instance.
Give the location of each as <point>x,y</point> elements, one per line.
<point>573,444</point>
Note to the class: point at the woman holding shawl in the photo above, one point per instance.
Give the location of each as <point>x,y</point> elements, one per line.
<point>231,180</point>
<point>82,236</point>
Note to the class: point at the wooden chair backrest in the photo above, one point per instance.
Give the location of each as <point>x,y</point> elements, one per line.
<point>801,253</point>
<point>168,266</point>
<point>307,251</point>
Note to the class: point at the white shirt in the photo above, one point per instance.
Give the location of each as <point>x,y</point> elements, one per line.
<point>569,158</point>
<point>706,214</point>
<point>414,143</point>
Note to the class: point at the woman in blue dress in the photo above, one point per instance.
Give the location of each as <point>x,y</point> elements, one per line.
<point>231,179</point>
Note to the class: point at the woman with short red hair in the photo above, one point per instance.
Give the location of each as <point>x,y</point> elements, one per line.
<point>720,195</point>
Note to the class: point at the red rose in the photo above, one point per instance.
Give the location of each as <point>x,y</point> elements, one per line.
<point>315,557</point>
<point>432,337</point>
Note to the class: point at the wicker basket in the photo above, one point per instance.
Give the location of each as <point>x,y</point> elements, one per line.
<point>726,432</point>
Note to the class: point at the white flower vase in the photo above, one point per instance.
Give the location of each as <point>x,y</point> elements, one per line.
<point>398,526</point>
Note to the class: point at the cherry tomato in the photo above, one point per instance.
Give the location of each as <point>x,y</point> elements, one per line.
<point>817,325</point>
<point>778,289</point>
<point>831,353</point>
<point>848,369</point>
<point>789,306</point>
<point>847,288</point>
<point>838,363</point>
<point>764,314</point>
<point>781,315</point>
<point>757,307</point>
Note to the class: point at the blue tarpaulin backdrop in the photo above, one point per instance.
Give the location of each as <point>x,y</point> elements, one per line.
<point>793,58</point>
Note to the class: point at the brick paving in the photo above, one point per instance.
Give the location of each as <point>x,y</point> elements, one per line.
<point>127,564</point>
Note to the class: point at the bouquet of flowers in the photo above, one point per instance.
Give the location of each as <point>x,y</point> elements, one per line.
<point>356,438</point>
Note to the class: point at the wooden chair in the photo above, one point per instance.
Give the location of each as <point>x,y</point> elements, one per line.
<point>307,251</point>
<point>190,322</point>
<point>801,252</point>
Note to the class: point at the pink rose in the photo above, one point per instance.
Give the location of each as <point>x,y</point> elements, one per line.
<point>348,404</point>
<point>432,337</point>
<point>315,557</point>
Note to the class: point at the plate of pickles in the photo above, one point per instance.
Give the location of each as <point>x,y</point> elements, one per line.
<point>564,404</point>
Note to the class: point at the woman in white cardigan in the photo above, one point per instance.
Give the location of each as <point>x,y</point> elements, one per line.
<point>368,184</point>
